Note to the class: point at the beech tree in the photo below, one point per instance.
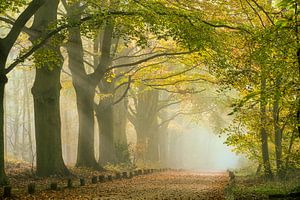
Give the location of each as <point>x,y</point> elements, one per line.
<point>46,95</point>
<point>6,45</point>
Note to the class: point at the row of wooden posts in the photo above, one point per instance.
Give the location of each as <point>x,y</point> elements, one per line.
<point>31,188</point>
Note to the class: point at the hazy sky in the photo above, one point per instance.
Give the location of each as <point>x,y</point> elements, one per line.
<point>200,149</point>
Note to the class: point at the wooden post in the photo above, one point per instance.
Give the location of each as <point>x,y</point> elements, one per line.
<point>130,174</point>
<point>70,183</point>
<point>31,188</point>
<point>53,186</point>
<point>124,175</point>
<point>109,177</point>
<point>94,180</point>
<point>7,191</point>
<point>101,178</point>
<point>82,182</point>
<point>118,175</point>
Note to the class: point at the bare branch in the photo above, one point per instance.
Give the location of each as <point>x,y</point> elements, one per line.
<point>21,21</point>
<point>169,104</point>
<point>125,92</point>
<point>149,58</point>
<point>264,11</point>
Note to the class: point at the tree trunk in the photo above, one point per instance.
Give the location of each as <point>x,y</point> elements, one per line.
<point>264,135</point>
<point>3,81</point>
<point>145,124</point>
<point>298,95</point>
<point>16,119</point>
<point>85,106</point>
<point>163,140</point>
<point>85,92</point>
<point>120,123</point>
<point>29,125</point>
<point>5,46</point>
<point>24,146</point>
<point>153,146</point>
<point>278,133</point>
<point>141,144</point>
<point>46,95</point>
<point>104,114</point>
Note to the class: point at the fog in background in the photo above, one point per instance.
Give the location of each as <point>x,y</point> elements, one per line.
<point>190,146</point>
<point>198,148</point>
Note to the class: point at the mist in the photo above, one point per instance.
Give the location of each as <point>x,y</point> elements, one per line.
<point>198,148</point>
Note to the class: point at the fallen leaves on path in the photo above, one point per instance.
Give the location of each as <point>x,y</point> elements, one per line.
<point>159,185</point>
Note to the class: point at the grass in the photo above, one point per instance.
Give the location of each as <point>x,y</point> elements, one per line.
<point>251,187</point>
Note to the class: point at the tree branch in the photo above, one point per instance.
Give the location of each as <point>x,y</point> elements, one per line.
<point>125,92</point>
<point>21,21</point>
<point>148,58</point>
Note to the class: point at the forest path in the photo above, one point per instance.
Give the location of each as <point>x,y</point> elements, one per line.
<point>161,185</point>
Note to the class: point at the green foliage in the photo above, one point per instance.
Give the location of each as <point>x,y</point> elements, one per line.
<point>255,188</point>
<point>122,152</point>
<point>12,5</point>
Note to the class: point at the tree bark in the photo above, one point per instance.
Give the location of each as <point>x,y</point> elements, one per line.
<point>145,124</point>
<point>3,81</point>
<point>85,93</point>
<point>120,123</point>
<point>105,118</point>
<point>153,146</point>
<point>29,123</point>
<point>278,132</point>
<point>85,106</point>
<point>264,135</point>
<point>16,119</point>
<point>5,46</point>
<point>46,95</point>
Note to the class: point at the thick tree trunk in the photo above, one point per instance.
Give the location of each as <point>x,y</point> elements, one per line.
<point>105,118</point>
<point>85,106</point>
<point>141,144</point>
<point>5,46</point>
<point>104,110</point>
<point>153,146</point>
<point>46,95</point>
<point>298,95</point>
<point>3,81</point>
<point>16,119</point>
<point>145,124</point>
<point>264,135</point>
<point>163,148</point>
<point>29,123</point>
<point>85,92</point>
<point>120,123</point>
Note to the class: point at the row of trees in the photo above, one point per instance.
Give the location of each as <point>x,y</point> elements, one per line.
<point>262,64</point>
<point>153,48</point>
<point>119,32</point>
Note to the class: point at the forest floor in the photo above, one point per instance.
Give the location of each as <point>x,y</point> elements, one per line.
<point>158,185</point>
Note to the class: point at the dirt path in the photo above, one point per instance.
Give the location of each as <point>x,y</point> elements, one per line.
<point>163,185</point>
